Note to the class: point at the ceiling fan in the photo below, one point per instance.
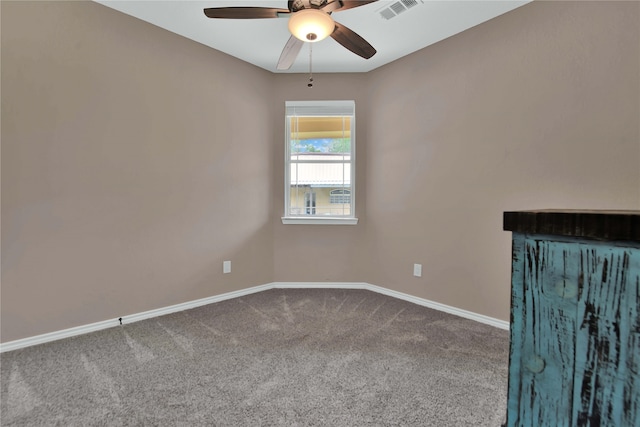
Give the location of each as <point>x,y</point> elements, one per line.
<point>309,21</point>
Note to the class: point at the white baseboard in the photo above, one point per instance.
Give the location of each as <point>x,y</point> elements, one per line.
<point>93,327</point>
<point>497,323</point>
<point>193,304</point>
<point>58,335</point>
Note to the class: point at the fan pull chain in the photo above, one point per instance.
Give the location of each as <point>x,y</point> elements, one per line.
<point>310,85</point>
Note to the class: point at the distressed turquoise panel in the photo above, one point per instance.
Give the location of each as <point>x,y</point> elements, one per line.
<point>575,333</point>
<point>517,329</point>
<point>607,385</point>
<point>546,358</point>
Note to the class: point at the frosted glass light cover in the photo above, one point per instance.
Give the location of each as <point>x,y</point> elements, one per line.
<point>311,25</point>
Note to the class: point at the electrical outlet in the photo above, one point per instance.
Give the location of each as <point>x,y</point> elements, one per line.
<point>417,270</point>
<point>226,267</point>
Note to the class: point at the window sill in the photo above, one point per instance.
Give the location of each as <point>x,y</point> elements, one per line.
<point>319,221</point>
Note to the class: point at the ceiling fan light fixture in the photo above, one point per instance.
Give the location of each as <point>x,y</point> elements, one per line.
<point>311,25</point>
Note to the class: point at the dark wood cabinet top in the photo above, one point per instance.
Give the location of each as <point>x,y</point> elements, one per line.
<point>591,224</point>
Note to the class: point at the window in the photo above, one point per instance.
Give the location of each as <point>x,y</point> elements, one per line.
<point>319,162</point>
<point>340,197</point>
<point>310,203</point>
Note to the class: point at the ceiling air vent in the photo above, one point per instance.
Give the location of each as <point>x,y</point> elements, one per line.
<point>387,13</point>
<point>397,8</point>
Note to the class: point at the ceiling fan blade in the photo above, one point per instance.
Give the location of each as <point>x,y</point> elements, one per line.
<point>352,41</point>
<point>332,5</point>
<point>244,12</point>
<point>289,53</point>
<point>340,5</point>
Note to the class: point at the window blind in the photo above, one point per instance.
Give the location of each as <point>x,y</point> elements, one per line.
<point>320,108</point>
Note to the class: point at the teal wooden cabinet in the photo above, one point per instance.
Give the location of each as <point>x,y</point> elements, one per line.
<point>575,319</point>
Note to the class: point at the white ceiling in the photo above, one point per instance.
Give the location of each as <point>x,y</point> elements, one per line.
<point>260,41</point>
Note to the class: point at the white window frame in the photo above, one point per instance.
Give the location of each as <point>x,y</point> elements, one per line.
<point>319,108</point>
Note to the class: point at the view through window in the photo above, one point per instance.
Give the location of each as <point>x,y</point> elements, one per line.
<point>320,154</point>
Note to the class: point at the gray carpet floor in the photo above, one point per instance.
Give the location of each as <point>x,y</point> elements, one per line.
<point>294,357</point>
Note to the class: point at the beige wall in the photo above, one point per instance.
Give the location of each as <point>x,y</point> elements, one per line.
<point>315,253</point>
<point>538,108</point>
<point>126,164</point>
<point>134,162</point>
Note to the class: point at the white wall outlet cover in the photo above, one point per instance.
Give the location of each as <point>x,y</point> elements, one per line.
<point>417,270</point>
<point>226,267</point>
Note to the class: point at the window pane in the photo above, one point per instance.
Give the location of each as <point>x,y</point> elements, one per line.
<point>323,174</point>
<point>320,151</point>
<point>320,134</point>
<point>320,127</point>
<point>307,200</point>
